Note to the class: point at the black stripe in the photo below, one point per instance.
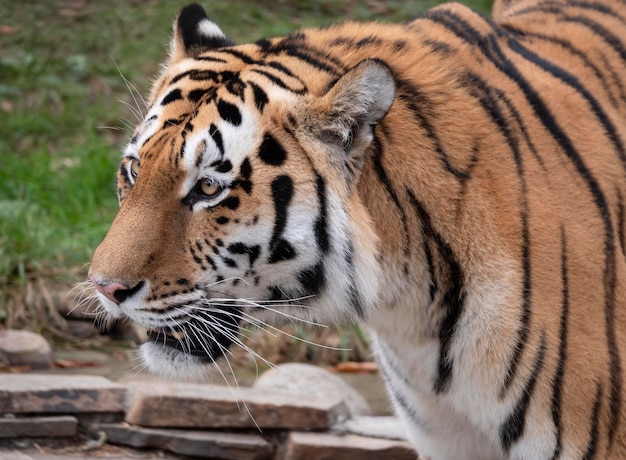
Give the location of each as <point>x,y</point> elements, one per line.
<point>573,82</point>
<point>389,359</point>
<point>513,427</point>
<point>215,134</point>
<point>271,151</point>
<point>229,112</point>
<point>222,166</point>
<point>354,295</point>
<point>245,171</point>
<point>453,299</point>
<point>615,78</point>
<point>295,46</point>
<point>253,252</point>
<point>282,192</point>
<point>609,277</point>
<point>321,230</point>
<point>620,221</point>
<point>281,250</point>
<point>557,8</point>
<point>517,118</point>
<point>313,279</point>
<point>196,94</point>
<point>210,59</point>
<point>239,55</point>
<point>172,96</point>
<point>260,96</point>
<point>376,159</point>
<point>567,46</point>
<point>423,112</point>
<point>609,38</point>
<point>599,7</point>
<point>455,24</point>
<point>277,81</point>
<point>196,75</point>
<point>432,284</point>
<point>592,445</point>
<point>230,202</point>
<point>283,69</point>
<point>557,384</point>
<point>493,52</point>
<point>489,102</point>
<point>413,414</point>
<point>387,368</point>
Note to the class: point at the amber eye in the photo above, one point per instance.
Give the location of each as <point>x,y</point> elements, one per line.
<point>210,188</point>
<point>133,166</point>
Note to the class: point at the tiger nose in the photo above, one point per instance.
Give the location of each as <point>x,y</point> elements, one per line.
<point>115,292</point>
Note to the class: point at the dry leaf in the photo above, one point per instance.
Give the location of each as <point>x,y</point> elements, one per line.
<point>72,363</point>
<point>7,30</point>
<point>354,367</point>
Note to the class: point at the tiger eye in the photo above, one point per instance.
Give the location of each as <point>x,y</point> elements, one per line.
<point>134,167</point>
<point>210,188</point>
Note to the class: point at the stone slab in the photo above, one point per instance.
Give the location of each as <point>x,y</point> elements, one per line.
<point>177,405</point>
<point>64,426</point>
<point>203,444</point>
<point>307,380</point>
<point>59,394</point>
<point>25,348</point>
<point>328,446</point>
<point>386,427</point>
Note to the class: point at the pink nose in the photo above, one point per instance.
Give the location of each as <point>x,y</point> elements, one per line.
<point>115,292</point>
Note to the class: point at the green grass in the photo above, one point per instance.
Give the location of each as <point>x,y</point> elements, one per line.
<point>64,114</point>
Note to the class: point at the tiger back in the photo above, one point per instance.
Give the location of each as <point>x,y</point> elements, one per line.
<point>455,184</point>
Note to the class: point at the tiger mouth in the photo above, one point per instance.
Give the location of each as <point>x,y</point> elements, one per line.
<point>207,337</point>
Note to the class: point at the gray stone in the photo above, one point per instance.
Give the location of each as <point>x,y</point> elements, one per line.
<point>59,394</point>
<point>328,446</point>
<point>386,427</point>
<point>25,348</point>
<point>312,381</point>
<point>211,406</point>
<point>38,427</point>
<point>81,307</point>
<point>204,444</point>
<point>82,329</point>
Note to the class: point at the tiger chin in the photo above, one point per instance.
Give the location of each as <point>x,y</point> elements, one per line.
<point>454,184</point>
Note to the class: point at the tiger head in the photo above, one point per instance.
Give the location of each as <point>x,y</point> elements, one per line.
<point>238,196</point>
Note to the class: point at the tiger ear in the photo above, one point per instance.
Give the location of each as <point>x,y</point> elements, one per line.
<point>195,34</point>
<point>354,104</point>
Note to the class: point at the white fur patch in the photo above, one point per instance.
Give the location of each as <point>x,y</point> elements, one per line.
<point>209,29</point>
<point>238,142</point>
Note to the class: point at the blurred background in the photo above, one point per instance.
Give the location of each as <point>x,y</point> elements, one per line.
<point>72,73</point>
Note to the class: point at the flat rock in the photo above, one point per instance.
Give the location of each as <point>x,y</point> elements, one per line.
<point>179,405</point>
<point>328,446</point>
<point>38,427</point>
<point>25,348</point>
<point>203,444</point>
<point>386,427</point>
<point>59,394</point>
<point>312,381</point>
<point>82,329</point>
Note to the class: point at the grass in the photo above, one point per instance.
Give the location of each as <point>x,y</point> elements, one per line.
<point>65,115</point>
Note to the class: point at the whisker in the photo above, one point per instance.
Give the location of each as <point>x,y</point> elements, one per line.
<point>131,88</point>
<point>247,303</point>
<point>328,347</point>
<point>134,110</point>
<point>229,333</point>
<point>112,128</point>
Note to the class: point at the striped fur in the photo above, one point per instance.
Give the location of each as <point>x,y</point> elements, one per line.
<point>456,184</point>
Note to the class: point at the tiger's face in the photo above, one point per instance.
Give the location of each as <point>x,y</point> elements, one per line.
<point>237,200</point>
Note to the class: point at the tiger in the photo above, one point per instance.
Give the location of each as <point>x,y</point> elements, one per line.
<point>455,184</point>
